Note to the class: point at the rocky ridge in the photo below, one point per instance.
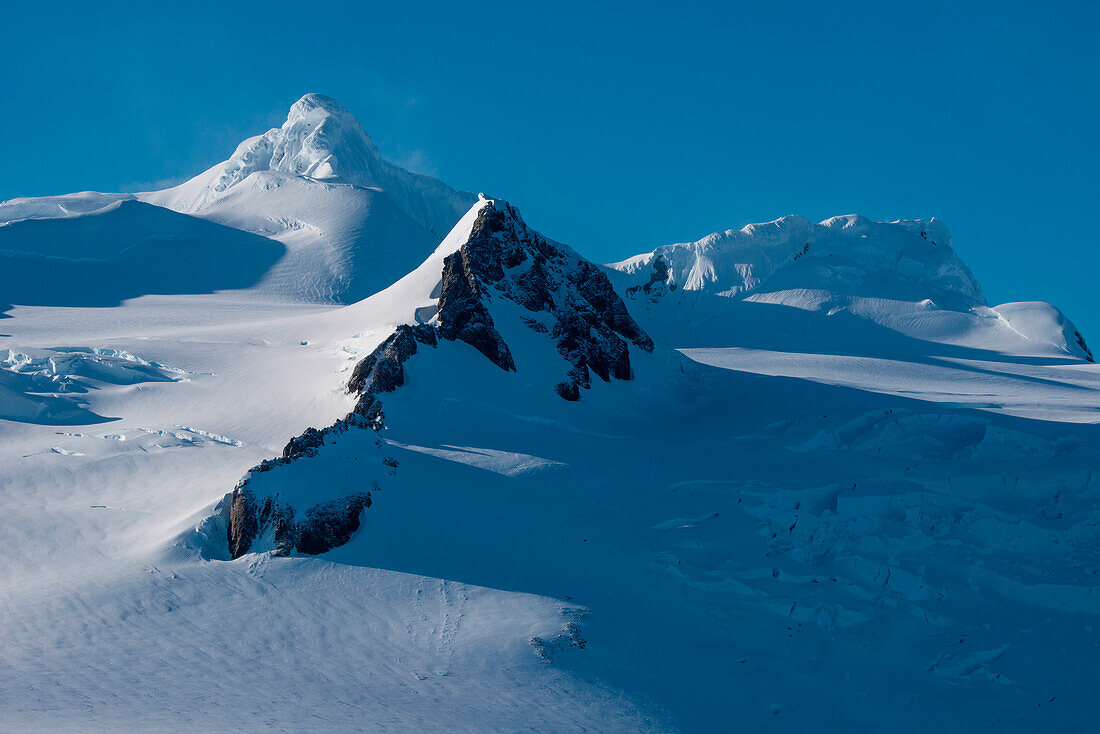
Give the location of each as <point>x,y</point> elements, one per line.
<point>563,296</point>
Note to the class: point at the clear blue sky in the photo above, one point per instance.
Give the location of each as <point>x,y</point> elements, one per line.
<point>613,128</point>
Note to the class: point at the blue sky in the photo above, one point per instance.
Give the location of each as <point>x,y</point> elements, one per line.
<point>614,128</point>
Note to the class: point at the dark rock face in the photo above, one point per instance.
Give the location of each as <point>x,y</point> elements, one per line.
<point>327,525</point>
<point>658,284</point>
<point>1084,347</point>
<point>462,312</point>
<point>244,522</point>
<point>570,636</point>
<point>568,390</point>
<point>503,256</point>
<point>304,445</point>
<point>381,371</point>
<point>323,527</point>
<point>330,525</point>
<point>570,300</point>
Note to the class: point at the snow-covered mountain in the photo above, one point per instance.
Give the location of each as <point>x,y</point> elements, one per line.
<point>901,280</point>
<point>566,324</point>
<point>322,141</point>
<point>344,222</point>
<point>352,221</point>
<point>794,477</point>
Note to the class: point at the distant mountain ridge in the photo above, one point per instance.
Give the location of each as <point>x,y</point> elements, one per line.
<point>901,276</point>
<point>352,223</point>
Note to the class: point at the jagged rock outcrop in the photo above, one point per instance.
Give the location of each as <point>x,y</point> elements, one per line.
<point>244,521</point>
<point>323,527</point>
<point>331,524</point>
<point>381,371</point>
<point>1084,347</point>
<point>504,257</point>
<point>567,296</point>
<point>568,301</point>
<point>462,313</point>
<point>658,283</point>
<point>307,443</point>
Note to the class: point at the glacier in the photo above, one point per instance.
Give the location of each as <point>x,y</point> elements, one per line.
<point>796,476</point>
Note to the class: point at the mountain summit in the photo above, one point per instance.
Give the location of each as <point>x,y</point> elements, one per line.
<point>350,222</point>
<point>322,141</point>
<point>547,318</point>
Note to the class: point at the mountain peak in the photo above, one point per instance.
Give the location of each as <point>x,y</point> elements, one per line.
<point>322,141</point>
<point>315,102</point>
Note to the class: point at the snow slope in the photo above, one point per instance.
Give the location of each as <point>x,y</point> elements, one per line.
<point>787,554</point>
<point>322,141</point>
<point>787,283</point>
<point>126,249</point>
<point>343,242</point>
<point>754,485</point>
<point>353,222</point>
<point>330,219</point>
<point>107,626</point>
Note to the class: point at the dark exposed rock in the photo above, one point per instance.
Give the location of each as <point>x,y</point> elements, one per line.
<point>568,389</point>
<point>462,312</point>
<point>570,636</point>
<point>322,528</point>
<point>381,371</point>
<point>533,287</point>
<point>328,525</point>
<point>1084,346</point>
<point>535,325</point>
<point>608,308</point>
<point>658,280</point>
<point>283,529</point>
<point>247,517</point>
<point>305,444</point>
<point>332,524</point>
<point>503,256</point>
<point>370,408</point>
<point>244,522</point>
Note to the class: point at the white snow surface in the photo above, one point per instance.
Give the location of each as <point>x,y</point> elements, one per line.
<point>842,493</point>
<point>338,222</point>
<point>844,283</point>
<point>848,251</point>
<point>322,141</point>
<point>352,222</point>
<point>109,625</point>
